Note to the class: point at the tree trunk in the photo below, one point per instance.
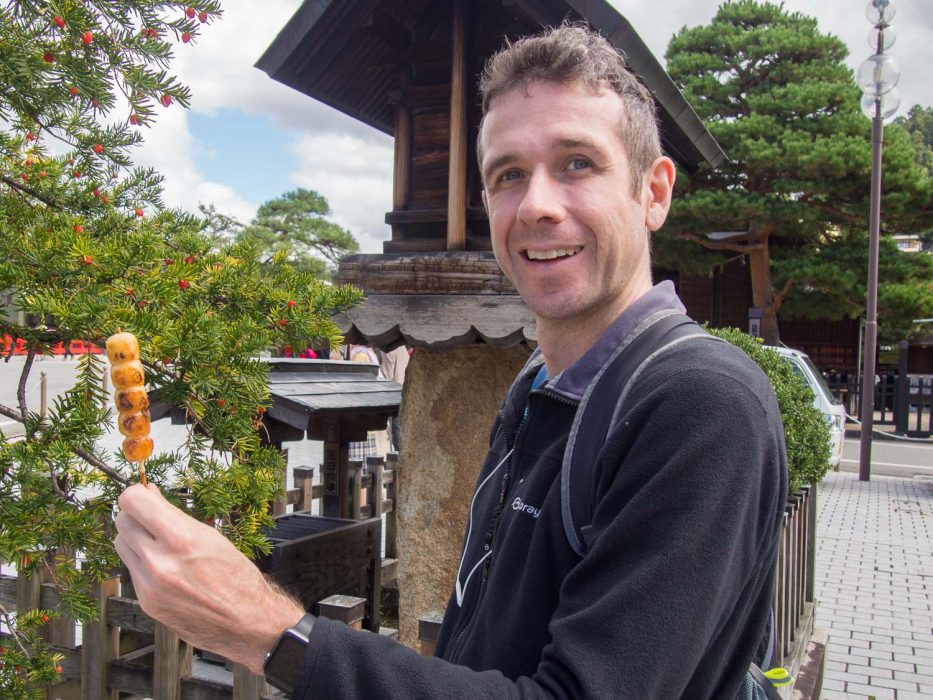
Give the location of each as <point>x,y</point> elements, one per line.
<point>762,292</point>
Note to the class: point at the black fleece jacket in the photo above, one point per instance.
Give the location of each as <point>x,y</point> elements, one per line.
<point>672,598</point>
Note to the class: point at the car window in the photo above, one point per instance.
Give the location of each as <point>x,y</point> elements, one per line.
<point>823,386</point>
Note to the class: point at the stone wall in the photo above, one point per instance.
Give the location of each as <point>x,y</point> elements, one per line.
<point>448,407</point>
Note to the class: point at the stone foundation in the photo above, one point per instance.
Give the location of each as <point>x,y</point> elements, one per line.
<point>448,407</point>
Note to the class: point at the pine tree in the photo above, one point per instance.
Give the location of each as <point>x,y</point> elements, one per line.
<point>297,224</point>
<point>87,248</point>
<point>793,196</point>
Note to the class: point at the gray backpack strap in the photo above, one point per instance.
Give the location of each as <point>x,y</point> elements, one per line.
<point>609,387</point>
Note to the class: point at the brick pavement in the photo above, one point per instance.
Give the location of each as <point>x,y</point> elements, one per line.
<point>874,586</point>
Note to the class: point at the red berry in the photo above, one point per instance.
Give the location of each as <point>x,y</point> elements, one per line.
<point>130,292</point>
<point>134,119</point>
<point>42,173</point>
<point>30,136</point>
<point>183,284</point>
<point>202,16</point>
<point>25,176</point>
<point>168,261</point>
<point>87,260</point>
<point>261,410</point>
<point>96,192</point>
<point>59,21</point>
<point>186,37</point>
<point>79,228</point>
<point>190,260</point>
<point>166,100</point>
<point>291,304</point>
<point>87,37</point>
<point>95,103</point>
<point>73,91</point>
<point>142,303</point>
<point>190,12</point>
<point>45,619</point>
<point>283,322</point>
<point>98,148</point>
<point>49,57</point>
<point>139,212</point>
<point>221,403</point>
<point>58,669</point>
<point>104,199</point>
<point>28,162</point>
<point>76,174</point>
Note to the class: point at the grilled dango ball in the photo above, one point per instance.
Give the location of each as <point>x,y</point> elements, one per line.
<point>137,449</point>
<point>128,374</point>
<point>132,399</point>
<point>122,347</point>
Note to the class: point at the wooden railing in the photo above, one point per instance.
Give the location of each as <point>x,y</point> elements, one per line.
<point>126,651</point>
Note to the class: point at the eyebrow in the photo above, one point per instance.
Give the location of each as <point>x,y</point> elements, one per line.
<point>562,144</point>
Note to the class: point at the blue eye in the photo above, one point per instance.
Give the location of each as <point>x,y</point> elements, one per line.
<point>509,175</point>
<point>579,164</point>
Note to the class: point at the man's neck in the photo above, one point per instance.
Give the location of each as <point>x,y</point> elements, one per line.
<point>564,341</point>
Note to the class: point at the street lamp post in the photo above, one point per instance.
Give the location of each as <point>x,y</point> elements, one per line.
<point>877,77</point>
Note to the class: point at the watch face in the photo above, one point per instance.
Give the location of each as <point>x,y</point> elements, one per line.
<point>284,663</point>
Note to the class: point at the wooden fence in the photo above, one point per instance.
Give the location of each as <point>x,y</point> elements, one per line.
<point>127,652</point>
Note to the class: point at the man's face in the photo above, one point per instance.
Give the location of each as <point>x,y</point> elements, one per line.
<point>565,227</point>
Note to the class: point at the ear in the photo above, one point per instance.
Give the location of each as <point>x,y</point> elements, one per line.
<point>657,189</point>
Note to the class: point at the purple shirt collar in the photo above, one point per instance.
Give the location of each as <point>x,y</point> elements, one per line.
<point>572,382</point>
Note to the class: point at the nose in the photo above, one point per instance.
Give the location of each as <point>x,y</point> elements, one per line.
<point>541,200</point>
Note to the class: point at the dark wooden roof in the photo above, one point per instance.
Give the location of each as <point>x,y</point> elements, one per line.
<point>306,390</point>
<point>348,53</point>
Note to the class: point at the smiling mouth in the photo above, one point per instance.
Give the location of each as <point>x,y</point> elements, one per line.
<point>552,254</point>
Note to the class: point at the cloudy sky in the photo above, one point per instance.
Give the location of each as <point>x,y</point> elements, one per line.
<point>247,139</point>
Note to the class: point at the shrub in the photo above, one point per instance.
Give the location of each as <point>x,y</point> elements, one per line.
<point>805,432</point>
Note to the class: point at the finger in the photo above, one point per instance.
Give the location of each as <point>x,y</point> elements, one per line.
<point>151,510</point>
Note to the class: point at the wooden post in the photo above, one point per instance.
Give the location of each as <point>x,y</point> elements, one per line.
<point>391,521</point>
<point>172,663</point>
<point>429,627</point>
<point>376,489</point>
<point>304,481</point>
<point>331,501</point>
<point>811,543</point>
<point>356,487</point>
<point>100,643</point>
<point>43,394</point>
<point>247,685</point>
<point>280,504</point>
<point>344,608</point>
<point>401,177</point>
<point>457,168</point>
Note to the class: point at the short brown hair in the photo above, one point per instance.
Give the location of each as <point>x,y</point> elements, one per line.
<point>573,53</point>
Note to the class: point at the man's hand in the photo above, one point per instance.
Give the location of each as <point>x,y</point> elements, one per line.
<point>192,579</point>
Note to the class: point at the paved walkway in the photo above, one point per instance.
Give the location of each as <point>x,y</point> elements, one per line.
<point>874,586</point>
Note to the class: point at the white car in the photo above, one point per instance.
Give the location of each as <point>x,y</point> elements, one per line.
<point>833,412</point>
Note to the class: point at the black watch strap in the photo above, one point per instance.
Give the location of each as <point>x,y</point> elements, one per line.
<point>284,663</point>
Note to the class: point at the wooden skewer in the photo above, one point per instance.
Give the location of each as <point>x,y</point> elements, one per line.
<point>142,473</point>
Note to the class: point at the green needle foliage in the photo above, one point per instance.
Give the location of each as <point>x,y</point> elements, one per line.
<point>296,224</point>
<point>86,248</point>
<point>778,96</point>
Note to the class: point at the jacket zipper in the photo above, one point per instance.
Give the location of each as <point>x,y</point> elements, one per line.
<point>497,516</point>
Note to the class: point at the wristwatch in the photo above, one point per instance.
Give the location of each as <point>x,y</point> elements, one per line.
<point>283,664</point>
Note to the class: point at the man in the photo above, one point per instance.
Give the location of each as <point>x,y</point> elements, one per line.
<point>672,597</point>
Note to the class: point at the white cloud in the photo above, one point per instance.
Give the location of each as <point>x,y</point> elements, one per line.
<point>355,175</point>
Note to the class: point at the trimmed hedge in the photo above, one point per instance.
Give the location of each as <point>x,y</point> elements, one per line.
<point>805,432</point>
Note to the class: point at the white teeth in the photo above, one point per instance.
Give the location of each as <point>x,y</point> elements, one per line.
<point>552,254</point>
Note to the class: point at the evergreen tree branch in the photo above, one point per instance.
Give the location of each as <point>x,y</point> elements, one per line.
<point>23,377</point>
<point>20,187</point>
<point>736,247</point>
<point>10,413</point>
<point>95,461</point>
